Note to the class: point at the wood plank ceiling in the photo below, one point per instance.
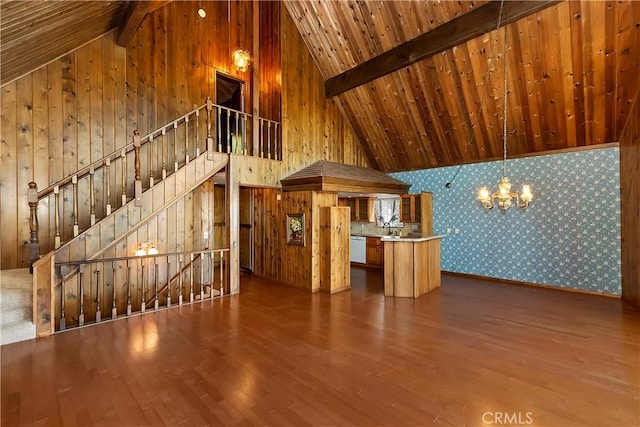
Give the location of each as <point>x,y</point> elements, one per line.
<point>34,33</point>
<point>573,70</point>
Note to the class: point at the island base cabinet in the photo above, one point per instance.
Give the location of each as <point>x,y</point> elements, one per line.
<point>411,268</point>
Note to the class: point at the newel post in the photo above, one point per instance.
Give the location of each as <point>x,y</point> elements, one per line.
<point>137,188</point>
<point>34,244</point>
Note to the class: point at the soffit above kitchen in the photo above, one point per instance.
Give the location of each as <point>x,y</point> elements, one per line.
<point>324,175</point>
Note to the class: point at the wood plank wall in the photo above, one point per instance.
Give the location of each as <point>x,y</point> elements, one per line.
<point>274,258</point>
<point>86,104</point>
<point>630,206</point>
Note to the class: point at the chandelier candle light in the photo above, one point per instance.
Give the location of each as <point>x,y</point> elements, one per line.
<point>504,196</point>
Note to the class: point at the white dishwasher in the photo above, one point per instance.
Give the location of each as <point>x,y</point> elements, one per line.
<point>358,249</point>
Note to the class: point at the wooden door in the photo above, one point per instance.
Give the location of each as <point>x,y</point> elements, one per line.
<point>246,228</point>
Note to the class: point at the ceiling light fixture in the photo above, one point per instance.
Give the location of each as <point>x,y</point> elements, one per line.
<point>202,13</point>
<point>504,196</point>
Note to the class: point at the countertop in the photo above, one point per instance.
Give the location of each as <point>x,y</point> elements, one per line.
<point>409,238</point>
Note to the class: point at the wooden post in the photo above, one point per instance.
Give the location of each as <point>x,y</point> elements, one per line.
<point>56,194</point>
<point>74,183</point>
<point>63,320</point>
<point>137,192</point>
<point>34,227</point>
<point>107,165</point>
<point>209,138</point>
<point>221,273</point>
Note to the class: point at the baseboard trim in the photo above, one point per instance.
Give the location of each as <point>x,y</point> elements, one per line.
<point>531,285</point>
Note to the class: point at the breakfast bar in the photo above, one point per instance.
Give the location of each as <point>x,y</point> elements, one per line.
<point>411,265</point>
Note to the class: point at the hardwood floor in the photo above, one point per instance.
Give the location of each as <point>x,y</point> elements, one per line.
<point>470,353</point>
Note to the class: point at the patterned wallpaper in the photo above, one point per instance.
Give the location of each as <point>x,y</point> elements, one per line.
<point>568,237</point>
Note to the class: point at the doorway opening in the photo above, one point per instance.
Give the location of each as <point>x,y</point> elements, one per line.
<point>231,129</point>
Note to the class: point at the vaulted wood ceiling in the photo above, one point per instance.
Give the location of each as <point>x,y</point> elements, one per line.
<point>573,70</point>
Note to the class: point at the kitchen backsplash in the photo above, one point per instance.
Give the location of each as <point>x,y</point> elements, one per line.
<point>371,228</point>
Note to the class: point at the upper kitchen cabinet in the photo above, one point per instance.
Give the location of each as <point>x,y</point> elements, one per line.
<point>361,208</point>
<point>418,208</point>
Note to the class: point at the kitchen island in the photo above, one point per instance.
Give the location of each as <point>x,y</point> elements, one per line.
<point>411,265</point>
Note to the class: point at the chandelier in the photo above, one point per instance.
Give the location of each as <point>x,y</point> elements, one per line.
<point>504,197</point>
<point>241,59</point>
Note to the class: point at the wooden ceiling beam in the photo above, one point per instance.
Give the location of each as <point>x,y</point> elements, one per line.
<point>133,17</point>
<point>459,30</point>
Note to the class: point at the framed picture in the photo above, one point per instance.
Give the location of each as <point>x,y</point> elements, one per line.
<point>295,229</point>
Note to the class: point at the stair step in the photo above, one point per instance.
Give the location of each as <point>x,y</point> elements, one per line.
<point>16,278</point>
<point>16,314</point>
<point>15,298</point>
<point>17,331</point>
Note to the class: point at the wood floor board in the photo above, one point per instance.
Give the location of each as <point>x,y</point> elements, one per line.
<point>276,355</point>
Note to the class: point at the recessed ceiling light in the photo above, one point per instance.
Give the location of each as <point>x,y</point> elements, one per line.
<point>202,13</point>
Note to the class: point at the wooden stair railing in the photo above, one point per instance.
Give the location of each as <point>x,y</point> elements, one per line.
<point>83,287</point>
<point>153,153</point>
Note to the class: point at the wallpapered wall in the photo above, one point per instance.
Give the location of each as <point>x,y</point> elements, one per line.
<point>568,237</point>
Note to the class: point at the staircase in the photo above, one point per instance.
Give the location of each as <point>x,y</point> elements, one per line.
<point>16,306</point>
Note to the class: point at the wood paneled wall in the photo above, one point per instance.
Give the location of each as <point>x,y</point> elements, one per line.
<point>274,258</point>
<point>630,206</point>
<point>313,127</point>
<point>86,104</point>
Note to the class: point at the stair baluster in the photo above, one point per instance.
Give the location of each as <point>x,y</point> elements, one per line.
<point>81,295</point>
<point>150,162</point>
<point>92,197</point>
<point>202,257</point>
<point>114,308</point>
<point>128,287</point>
<point>221,273</point>
<point>186,140</point>
<point>74,183</point>
<point>98,312</point>
<point>210,147</point>
<point>164,153</point>
<point>180,284</point>
<point>269,140</point>
<point>175,146</point>
<point>137,193</point>
<point>191,298</point>
<point>198,151</point>
<point>107,177</point>
<point>169,284</point>
<point>56,198</point>
<point>142,290</point>
<point>123,156</point>
<point>156,303</point>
